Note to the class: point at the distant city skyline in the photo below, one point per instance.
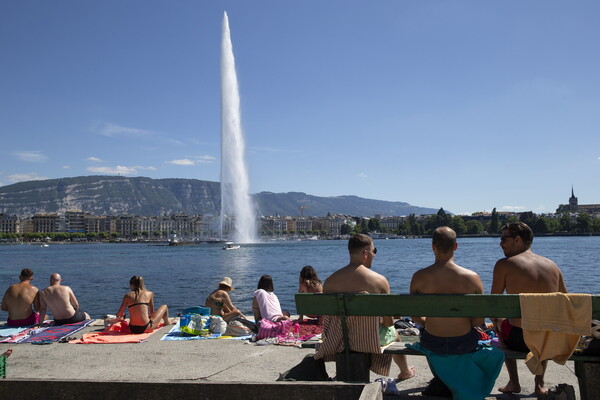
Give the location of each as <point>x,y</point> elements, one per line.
<point>463,105</point>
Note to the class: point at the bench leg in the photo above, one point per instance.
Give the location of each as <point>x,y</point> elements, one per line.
<point>353,369</point>
<point>588,375</point>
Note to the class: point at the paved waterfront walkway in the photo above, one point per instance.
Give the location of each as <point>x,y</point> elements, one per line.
<point>209,361</point>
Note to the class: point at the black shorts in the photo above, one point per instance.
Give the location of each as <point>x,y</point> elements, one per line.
<point>77,317</point>
<point>512,336</point>
<point>450,345</point>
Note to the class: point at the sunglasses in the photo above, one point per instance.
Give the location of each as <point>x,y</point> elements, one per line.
<point>374,250</point>
<point>504,238</point>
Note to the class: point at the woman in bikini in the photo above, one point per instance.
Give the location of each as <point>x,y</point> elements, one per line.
<point>220,303</point>
<point>309,283</point>
<point>140,303</point>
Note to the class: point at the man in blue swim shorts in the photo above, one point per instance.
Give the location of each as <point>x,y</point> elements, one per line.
<point>444,276</point>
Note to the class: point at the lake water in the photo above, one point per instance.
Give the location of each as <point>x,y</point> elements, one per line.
<point>182,276</point>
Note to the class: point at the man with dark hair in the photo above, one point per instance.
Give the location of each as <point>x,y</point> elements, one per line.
<point>21,300</point>
<point>358,277</point>
<point>447,335</point>
<point>62,303</point>
<point>522,271</point>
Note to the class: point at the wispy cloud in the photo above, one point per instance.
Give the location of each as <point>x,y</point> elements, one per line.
<point>362,175</point>
<point>32,176</point>
<point>512,208</point>
<point>94,159</point>
<point>182,161</point>
<point>66,167</point>
<point>113,130</point>
<point>34,156</point>
<point>188,161</point>
<point>119,170</point>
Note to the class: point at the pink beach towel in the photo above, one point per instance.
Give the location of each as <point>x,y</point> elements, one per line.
<point>116,333</point>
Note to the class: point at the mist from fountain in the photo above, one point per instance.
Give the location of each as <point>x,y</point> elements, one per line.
<point>236,202</point>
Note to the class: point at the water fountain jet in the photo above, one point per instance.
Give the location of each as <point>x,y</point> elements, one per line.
<point>236,202</point>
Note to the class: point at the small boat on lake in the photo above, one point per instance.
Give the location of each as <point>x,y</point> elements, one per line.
<point>231,246</point>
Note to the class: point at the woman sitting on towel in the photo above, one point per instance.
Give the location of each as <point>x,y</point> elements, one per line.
<point>309,283</point>
<point>266,304</point>
<point>140,303</point>
<point>220,303</point>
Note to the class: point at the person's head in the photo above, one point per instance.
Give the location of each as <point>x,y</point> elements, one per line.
<point>55,278</point>
<point>444,240</point>
<point>266,283</point>
<point>308,273</point>
<point>136,283</point>
<point>226,284</point>
<point>361,249</point>
<point>516,238</point>
<point>26,274</point>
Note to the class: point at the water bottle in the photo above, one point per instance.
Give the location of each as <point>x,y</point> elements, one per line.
<point>296,330</point>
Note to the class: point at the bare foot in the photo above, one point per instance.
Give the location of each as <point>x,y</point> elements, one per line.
<point>404,375</point>
<point>539,387</point>
<point>172,321</point>
<point>510,388</point>
<point>7,353</point>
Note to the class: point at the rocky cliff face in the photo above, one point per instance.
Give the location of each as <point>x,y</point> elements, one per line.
<point>118,195</point>
<point>111,195</point>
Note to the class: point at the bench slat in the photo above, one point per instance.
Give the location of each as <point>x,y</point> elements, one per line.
<point>470,305</point>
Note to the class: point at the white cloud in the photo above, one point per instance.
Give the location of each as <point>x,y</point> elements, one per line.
<point>112,130</point>
<point>362,175</point>
<point>192,160</point>
<point>94,159</point>
<point>512,208</point>
<point>34,156</point>
<point>32,176</point>
<point>182,161</point>
<point>119,170</point>
<point>66,167</point>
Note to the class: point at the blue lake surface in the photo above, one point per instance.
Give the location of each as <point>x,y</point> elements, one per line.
<point>183,276</point>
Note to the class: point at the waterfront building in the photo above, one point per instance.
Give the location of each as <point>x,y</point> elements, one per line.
<point>45,223</point>
<point>9,223</point>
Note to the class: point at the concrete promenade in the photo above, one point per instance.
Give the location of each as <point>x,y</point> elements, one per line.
<point>222,363</point>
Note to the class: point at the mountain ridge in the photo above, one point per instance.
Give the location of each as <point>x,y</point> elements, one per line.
<point>118,195</point>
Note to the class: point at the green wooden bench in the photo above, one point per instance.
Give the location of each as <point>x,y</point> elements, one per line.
<point>587,368</point>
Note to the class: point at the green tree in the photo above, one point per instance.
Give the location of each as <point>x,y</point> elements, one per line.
<point>474,227</point>
<point>373,225</point>
<point>541,226</point>
<point>494,223</point>
<point>584,223</point>
<point>566,224</point>
<point>458,224</point>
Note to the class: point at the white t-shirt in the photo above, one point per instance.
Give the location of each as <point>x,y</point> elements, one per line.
<point>268,304</point>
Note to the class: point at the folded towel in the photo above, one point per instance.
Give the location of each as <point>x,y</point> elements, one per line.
<point>552,325</point>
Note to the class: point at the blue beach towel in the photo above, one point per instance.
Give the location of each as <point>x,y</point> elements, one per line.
<point>469,376</point>
<point>176,334</point>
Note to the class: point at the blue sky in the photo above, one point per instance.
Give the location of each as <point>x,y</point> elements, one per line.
<point>465,105</point>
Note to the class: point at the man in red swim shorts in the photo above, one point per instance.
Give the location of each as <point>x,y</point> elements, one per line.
<point>21,300</point>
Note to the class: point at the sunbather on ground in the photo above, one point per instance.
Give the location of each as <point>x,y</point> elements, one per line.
<point>220,303</point>
<point>265,303</point>
<point>140,303</point>
<point>309,283</point>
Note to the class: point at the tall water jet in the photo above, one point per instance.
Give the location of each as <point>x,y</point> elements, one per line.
<point>236,202</point>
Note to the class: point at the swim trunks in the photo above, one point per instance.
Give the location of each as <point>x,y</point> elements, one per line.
<point>33,319</point>
<point>450,345</point>
<point>512,336</point>
<point>138,329</point>
<point>77,317</point>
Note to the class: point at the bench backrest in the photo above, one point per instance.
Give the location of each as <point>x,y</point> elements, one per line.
<point>469,305</point>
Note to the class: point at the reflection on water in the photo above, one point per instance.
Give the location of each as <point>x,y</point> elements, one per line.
<point>183,276</point>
